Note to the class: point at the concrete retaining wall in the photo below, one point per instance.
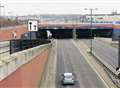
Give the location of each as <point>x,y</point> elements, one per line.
<point>10,64</point>
<point>4,44</point>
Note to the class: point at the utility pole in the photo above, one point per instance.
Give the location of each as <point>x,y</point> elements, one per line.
<point>1,6</point>
<point>74,29</point>
<point>74,33</point>
<point>91,26</point>
<point>0,13</point>
<point>30,29</point>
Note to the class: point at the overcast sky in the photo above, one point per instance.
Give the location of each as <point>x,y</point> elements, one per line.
<point>24,7</point>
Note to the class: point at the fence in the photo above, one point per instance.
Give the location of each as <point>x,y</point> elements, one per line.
<point>19,45</point>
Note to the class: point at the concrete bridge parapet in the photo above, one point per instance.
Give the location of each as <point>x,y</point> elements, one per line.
<point>10,64</point>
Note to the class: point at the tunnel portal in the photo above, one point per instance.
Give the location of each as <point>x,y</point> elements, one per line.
<point>69,33</point>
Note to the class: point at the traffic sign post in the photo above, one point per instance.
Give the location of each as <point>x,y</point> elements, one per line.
<point>30,23</point>
<point>32,26</point>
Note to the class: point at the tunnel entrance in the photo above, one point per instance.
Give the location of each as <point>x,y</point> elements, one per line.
<point>56,33</point>
<point>68,33</point>
<point>62,33</point>
<point>103,33</point>
<point>83,33</point>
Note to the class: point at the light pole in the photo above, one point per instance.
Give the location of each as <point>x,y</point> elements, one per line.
<point>91,26</point>
<point>1,6</point>
<point>10,15</point>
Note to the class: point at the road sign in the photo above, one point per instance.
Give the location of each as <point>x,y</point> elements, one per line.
<point>32,25</point>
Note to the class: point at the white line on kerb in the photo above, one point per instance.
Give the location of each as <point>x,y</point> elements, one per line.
<point>55,59</point>
<point>91,65</point>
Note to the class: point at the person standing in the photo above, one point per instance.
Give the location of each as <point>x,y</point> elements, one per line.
<point>14,35</point>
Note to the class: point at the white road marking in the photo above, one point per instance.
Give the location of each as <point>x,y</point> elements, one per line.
<point>91,65</point>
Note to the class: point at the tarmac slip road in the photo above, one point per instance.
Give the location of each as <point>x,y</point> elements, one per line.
<point>69,59</point>
<point>106,52</point>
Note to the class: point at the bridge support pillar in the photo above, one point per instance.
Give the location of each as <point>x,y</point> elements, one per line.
<point>74,34</point>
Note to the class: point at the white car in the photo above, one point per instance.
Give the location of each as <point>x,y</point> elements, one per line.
<point>68,79</point>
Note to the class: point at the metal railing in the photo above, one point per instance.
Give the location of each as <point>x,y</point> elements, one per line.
<point>19,45</point>
<point>4,49</point>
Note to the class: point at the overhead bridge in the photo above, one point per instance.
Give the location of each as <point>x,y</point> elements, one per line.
<point>60,31</point>
<point>81,30</point>
<point>69,33</point>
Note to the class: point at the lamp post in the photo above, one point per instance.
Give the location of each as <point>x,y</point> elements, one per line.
<point>91,25</point>
<point>9,15</point>
<point>1,6</point>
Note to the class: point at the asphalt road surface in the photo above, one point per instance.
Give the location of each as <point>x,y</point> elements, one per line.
<point>108,53</point>
<point>69,59</point>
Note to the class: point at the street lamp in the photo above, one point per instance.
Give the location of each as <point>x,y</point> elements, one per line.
<point>1,6</point>
<point>91,26</point>
<point>9,15</point>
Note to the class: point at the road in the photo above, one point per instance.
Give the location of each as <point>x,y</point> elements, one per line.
<point>69,59</point>
<point>108,53</point>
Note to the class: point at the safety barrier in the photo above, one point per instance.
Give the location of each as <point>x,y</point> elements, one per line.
<point>9,64</point>
<point>4,43</point>
<point>21,44</point>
